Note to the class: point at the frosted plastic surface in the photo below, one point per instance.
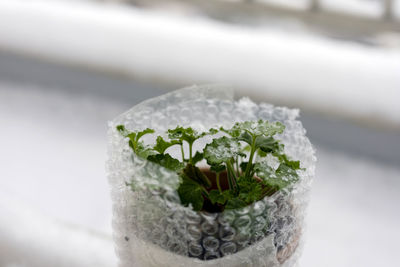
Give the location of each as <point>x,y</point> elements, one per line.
<point>152,228</point>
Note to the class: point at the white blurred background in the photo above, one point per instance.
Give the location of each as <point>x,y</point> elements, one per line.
<point>66,67</point>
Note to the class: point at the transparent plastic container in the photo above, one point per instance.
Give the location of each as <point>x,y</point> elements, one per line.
<point>152,228</point>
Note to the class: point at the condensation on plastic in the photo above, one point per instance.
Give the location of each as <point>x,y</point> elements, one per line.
<point>152,228</point>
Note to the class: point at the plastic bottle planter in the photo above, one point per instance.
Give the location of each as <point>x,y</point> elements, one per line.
<point>152,228</point>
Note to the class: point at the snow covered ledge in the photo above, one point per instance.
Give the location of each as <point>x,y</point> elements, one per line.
<point>291,68</point>
<point>29,239</point>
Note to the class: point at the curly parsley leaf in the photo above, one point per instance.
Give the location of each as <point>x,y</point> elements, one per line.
<point>162,145</point>
<point>144,132</point>
<point>287,172</point>
<point>216,197</point>
<point>184,134</point>
<point>222,150</point>
<point>134,140</point>
<point>196,175</point>
<point>122,130</point>
<point>279,178</point>
<point>257,134</point>
<point>166,161</point>
<point>250,189</point>
<point>267,144</point>
<point>295,165</point>
<point>220,197</point>
<point>254,128</point>
<point>263,171</point>
<point>218,168</point>
<point>144,151</point>
<point>197,157</point>
<point>212,131</point>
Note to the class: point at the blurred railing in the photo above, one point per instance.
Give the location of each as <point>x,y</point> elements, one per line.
<point>313,12</point>
<point>387,7</point>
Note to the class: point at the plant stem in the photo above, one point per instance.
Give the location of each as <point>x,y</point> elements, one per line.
<point>205,191</point>
<point>218,182</point>
<point>231,173</point>
<point>229,179</point>
<point>253,150</point>
<point>183,153</point>
<point>190,152</point>
<point>237,166</point>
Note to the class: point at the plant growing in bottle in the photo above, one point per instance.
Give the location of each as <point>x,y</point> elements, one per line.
<point>233,154</point>
<point>217,192</point>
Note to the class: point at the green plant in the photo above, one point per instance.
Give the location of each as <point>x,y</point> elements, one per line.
<point>231,156</point>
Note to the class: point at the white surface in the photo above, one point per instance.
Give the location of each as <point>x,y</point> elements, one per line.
<point>298,4</point>
<point>53,152</point>
<point>29,239</point>
<point>353,216</point>
<point>371,8</point>
<point>312,72</point>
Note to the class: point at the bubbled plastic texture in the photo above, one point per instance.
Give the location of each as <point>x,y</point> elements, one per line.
<point>152,228</point>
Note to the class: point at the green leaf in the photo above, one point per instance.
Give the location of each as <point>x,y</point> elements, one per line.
<point>250,189</point>
<point>142,150</point>
<point>134,140</point>
<point>287,173</point>
<point>196,175</point>
<point>216,197</point>
<point>228,194</point>
<point>217,168</point>
<point>184,134</point>
<point>162,145</point>
<point>213,131</point>
<point>190,192</point>
<point>247,148</point>
<point>188,134</point>
<point>279,178</point>
<point>261,153</point>
<point>246,137</point>
<point>267,144</point>
<point>283,158</point>
<point>243,166</point>
<point>255,128</point>
<point>197,157</point>
<point>121,129</point>
<point>295,165</point>
<point>263,171</point>
<point>144,132</point>
<point>221,150</point>
<point>131,135</point>
<point>167,161</point>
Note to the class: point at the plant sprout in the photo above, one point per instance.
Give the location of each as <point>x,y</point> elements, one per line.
<point>232,157</point>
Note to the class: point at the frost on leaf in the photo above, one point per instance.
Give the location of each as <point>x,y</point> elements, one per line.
<point>256,128</point>
<point>221,150</point>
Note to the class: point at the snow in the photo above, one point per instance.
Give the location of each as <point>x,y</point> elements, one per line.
<point>30,239</point>
<point>293,68</point>
<point>353,218</point>
<point>43,146</point>
<point>55,207</point>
